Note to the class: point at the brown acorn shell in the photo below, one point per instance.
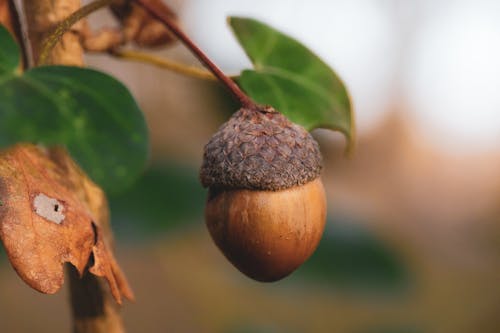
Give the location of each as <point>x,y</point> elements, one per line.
<point>260,149</point>
<point>267,234</point>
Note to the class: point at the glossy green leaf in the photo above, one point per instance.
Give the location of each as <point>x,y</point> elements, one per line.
<point>89,112</point>
<point>292,79</point>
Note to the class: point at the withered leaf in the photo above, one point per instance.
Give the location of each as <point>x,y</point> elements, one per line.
<point>52,214</point>
<point>141,27</point>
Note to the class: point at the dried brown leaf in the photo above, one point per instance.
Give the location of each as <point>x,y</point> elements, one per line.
<point>140,27</point>
<point>105,264</point>
<point>51,213</point>
<point>103,40</point>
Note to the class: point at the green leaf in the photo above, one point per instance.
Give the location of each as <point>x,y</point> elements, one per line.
<point>89,112</point>
<point>292,79</point>
<point>9,52</point>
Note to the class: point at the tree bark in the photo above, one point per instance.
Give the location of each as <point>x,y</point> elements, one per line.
<point>94,309</point>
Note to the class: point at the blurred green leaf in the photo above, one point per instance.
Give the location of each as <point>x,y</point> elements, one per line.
<point>89,112</point>
<point>291,78</point>
<point>9,52</point>
<point>165,197</point>
<point>351,257</point>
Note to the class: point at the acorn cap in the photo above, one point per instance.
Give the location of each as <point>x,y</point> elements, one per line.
<point>260,149</point>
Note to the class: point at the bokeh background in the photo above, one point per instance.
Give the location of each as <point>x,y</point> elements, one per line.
<point>412,243</point>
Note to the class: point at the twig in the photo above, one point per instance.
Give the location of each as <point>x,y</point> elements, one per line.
<point>164,63</point>
<point>65,25</point>
<point>159,13</point>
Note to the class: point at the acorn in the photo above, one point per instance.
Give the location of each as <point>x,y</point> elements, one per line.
<point>266,205</point>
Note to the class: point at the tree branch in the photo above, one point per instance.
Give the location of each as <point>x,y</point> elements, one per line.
<point>93,311</point>
<point>93,307</point>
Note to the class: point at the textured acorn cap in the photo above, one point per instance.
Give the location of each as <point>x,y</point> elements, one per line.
<point>260,149</point>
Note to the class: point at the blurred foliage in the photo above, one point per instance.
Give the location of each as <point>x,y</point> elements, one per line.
<point>351,257</point>
<point>292,79</point>
<point>9,52</point>
<point>393,330</point>
<point>167,196</point>
<point>249,328</point>
<point>89,112</point>
<point>254,328</point>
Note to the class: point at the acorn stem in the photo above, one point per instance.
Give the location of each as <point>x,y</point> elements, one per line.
<point>156,11</point>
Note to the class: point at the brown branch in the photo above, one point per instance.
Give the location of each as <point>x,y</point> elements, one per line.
<point>93,307</point>
<point>92,311</point>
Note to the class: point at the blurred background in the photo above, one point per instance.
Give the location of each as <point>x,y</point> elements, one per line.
<point>412,243</point>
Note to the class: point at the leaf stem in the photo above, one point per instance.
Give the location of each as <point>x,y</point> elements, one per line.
<point>177,67</point>
<point>157,12</point>
<point>65,25</point>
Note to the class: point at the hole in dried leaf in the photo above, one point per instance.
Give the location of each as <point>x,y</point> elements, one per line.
<point>91,262</point>
<point>49,208</point>
<point>94,229</point>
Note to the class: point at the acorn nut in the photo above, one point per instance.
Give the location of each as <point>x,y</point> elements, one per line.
<point>266,205</point>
